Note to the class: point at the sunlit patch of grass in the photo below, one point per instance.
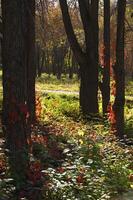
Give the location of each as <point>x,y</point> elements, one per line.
<point>61,106</point>
<point>52,83</point>
<point>93,158</point>
<point>129,120</point>
<point>65,108</point>
<point>129,110</point>
<point>129,88</point>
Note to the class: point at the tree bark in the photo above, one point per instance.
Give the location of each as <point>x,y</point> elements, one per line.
<point>118,106</point>
<point>106,69</point>
<point>37,60</point>
<point>88,61</point>
<point>89,77</point>
<point>17,82</point>
<point>70,32</point>
<point>31,66</point>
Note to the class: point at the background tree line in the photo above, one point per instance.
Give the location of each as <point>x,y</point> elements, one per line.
<point>51,37</point>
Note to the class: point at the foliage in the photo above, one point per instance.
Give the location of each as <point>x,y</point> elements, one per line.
<point>64,105</point>
<point>96,166</point>
<point>71,158</point>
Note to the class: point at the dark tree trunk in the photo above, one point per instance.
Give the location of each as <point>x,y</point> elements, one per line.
<point>118,106</point>
<point>71,69</point>
<point>88,61</point>
<point>88,90</point>
<point>47,61</point>
<point>89,69</point>
<point>54,60</point>
<point>70,63</point>
<point>59,62</point>
<point>42,62</point>
<point>18,91</point>
<point>31,67</point>
<point>106,70</point>
<point>38,68</point>
<point>39,57</point>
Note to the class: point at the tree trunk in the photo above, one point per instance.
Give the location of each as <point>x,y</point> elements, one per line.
<point>118,106</point>
<point>71,66</point>
<point>47,61</point>
<point>87,61</point>
<point>89,71</point>
<point>38,54</point>
<point>59,62</point>
<point>106,70</point>
<point>88,90</point>
<point>31,67</point>
<point>54,60</point>
<point>18,93</point>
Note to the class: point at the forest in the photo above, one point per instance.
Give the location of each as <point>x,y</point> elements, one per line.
<point>66,100</point>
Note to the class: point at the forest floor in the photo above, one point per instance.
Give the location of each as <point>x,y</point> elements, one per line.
<point>59,92</point>
<point>73,158</point>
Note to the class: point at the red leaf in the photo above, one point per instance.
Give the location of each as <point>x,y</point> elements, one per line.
<point>80,178</point>
<point>60,170</point>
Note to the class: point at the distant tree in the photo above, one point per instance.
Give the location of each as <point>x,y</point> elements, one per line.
<point>129,40</point>
<point>88,60</point>
<point>119,71</point>
<point>18,80</point>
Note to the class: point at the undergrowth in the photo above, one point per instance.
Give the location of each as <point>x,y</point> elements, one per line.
<point>96,165</point>
<point>72,158</point>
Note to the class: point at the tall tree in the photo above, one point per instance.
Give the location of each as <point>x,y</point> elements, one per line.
<point>118,106</point>
<point>88,60</point>
<point>30,51</point>
<point>106,70</point>
<point>18,79</point>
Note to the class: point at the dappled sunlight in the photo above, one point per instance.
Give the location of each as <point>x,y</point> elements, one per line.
<point>66,100</point>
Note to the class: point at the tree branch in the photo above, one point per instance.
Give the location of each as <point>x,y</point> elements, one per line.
<point>70,32</point>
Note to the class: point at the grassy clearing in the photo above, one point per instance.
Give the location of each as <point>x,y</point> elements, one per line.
<point>51,83</point>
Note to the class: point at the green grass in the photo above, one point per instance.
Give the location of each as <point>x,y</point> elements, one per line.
<point>81,159</point>
<point>115,166</point>
<point>63,104</point>
<point>92,155</point>
<point>52,83</point>
<point>129,89</point>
